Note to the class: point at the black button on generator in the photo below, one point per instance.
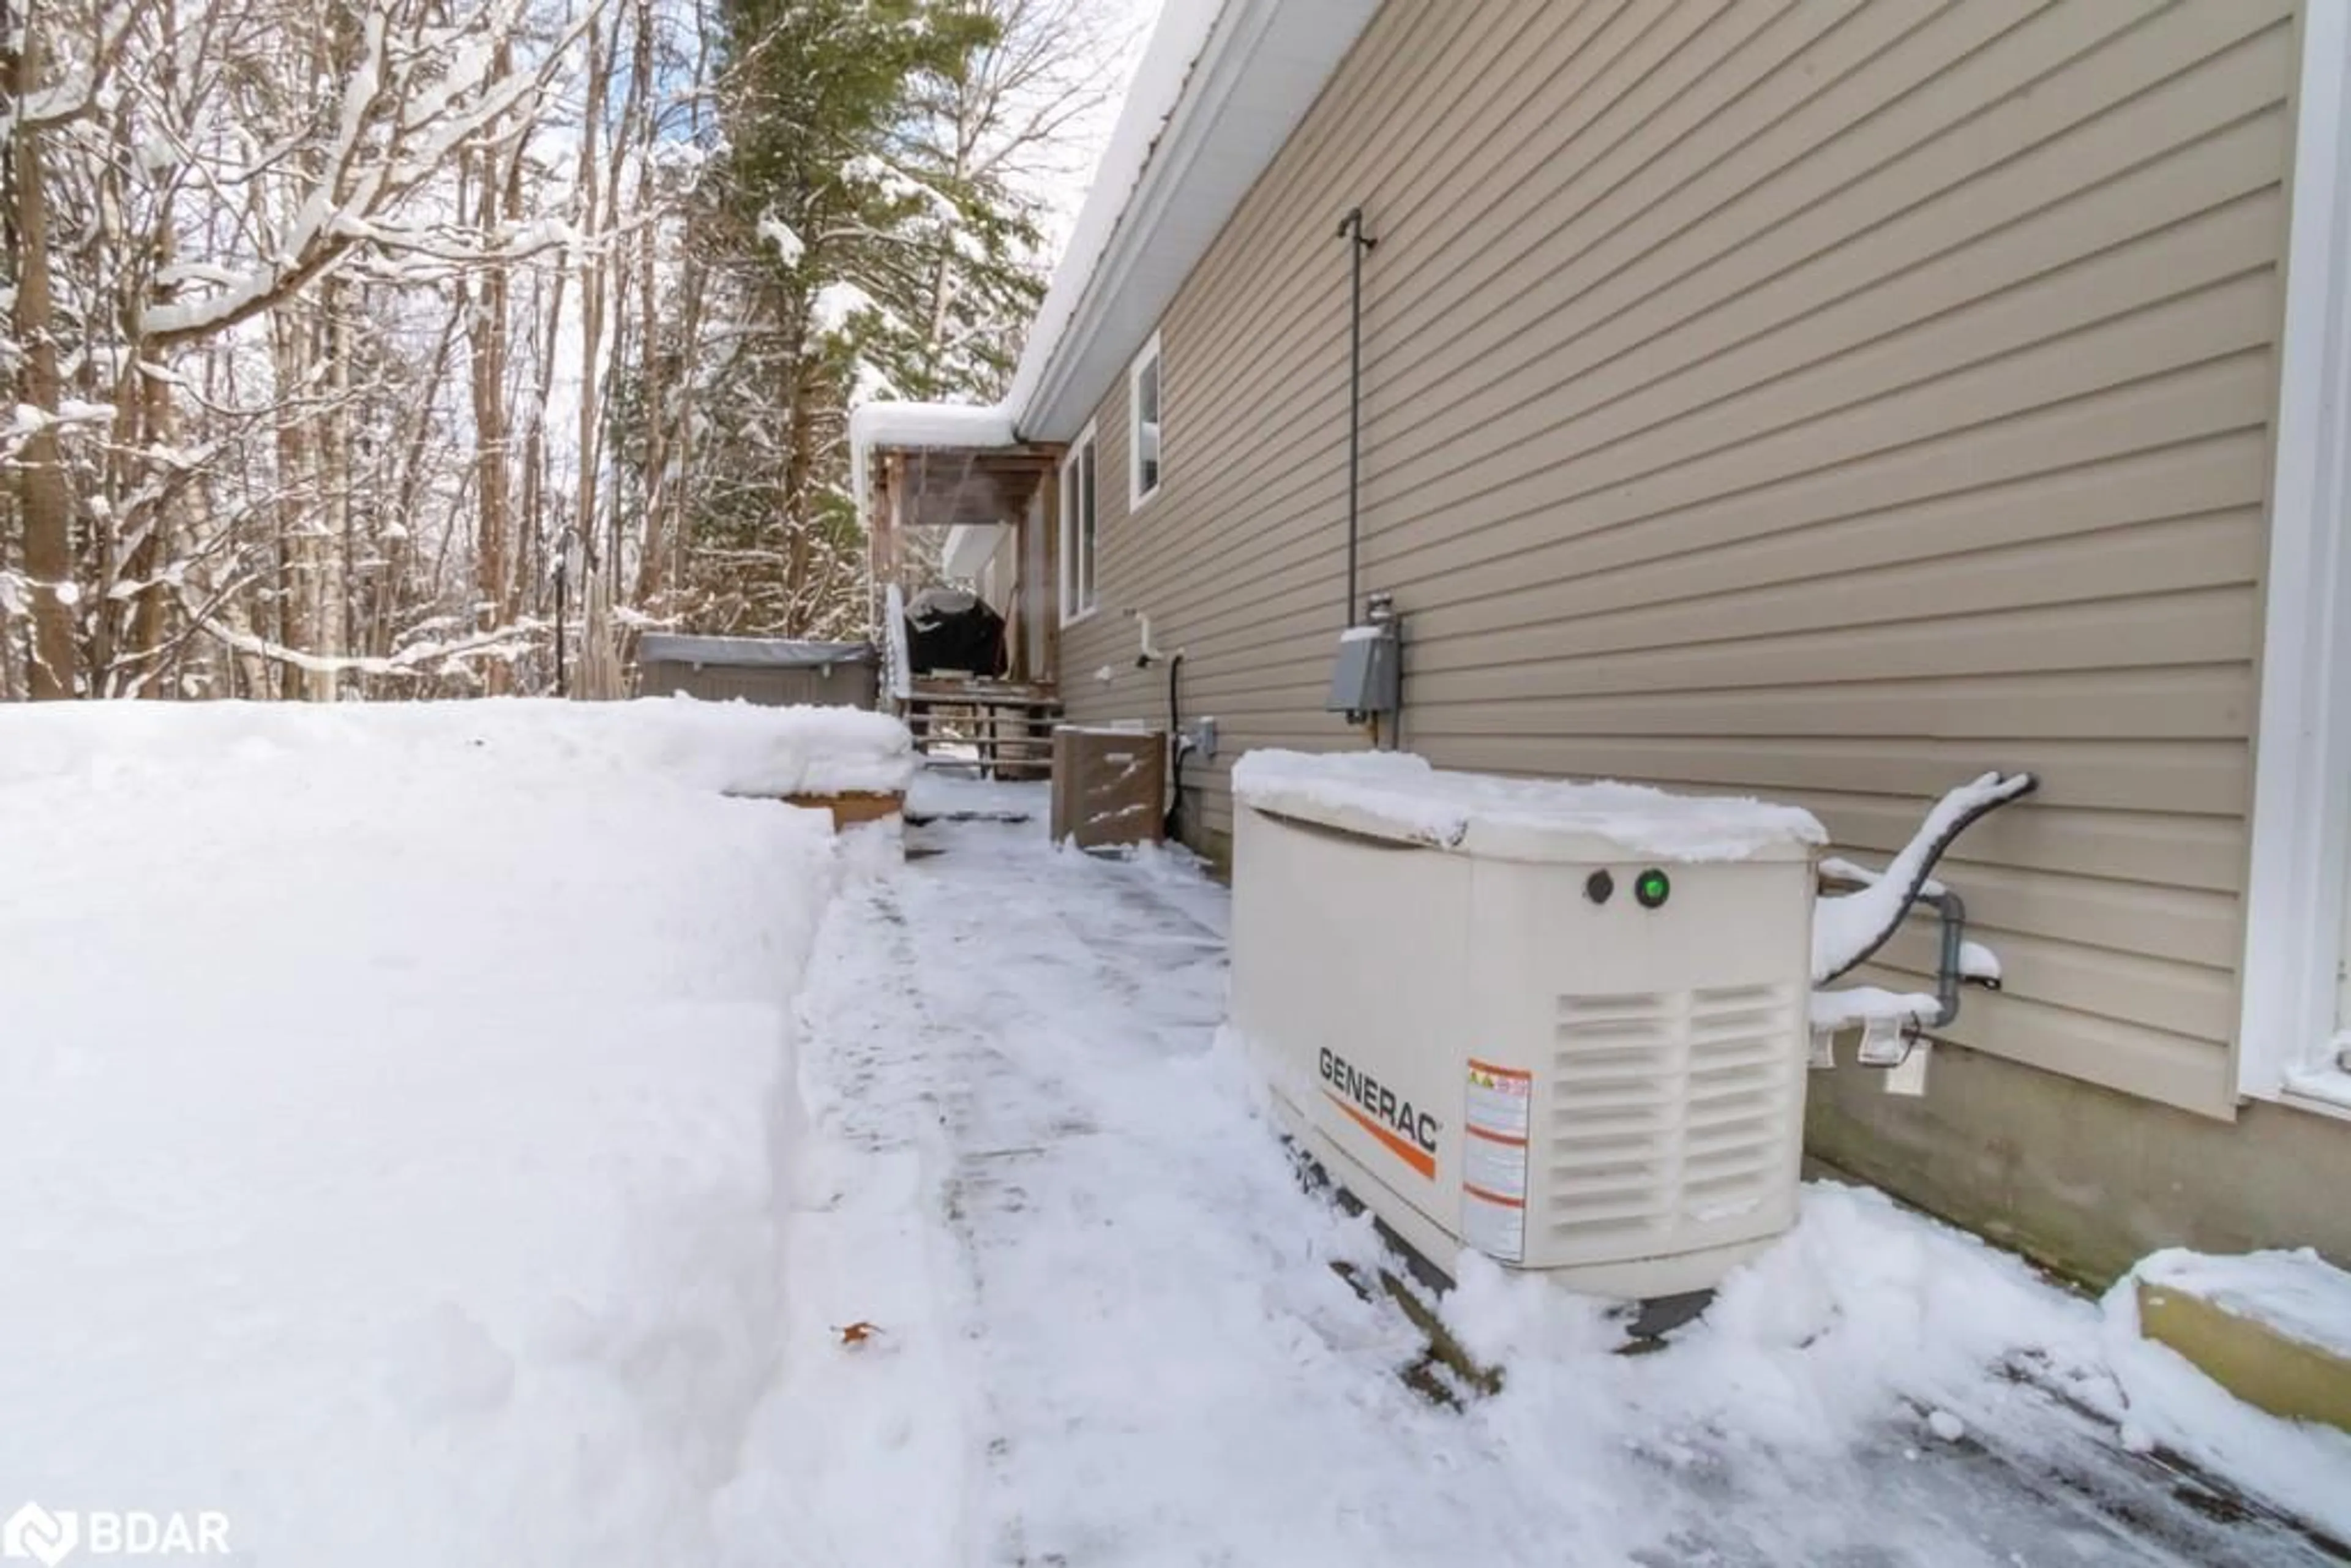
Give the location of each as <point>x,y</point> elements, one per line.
<point>1599,886</point>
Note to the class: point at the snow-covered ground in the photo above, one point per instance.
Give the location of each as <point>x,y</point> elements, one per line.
<point>1110,1333</point>
<point>463,1135</point>
<point>394,1106</point>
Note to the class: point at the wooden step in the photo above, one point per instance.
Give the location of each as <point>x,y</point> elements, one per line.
<point>2272,1328</point>
<point>999,732</point>
<point>934,718</point>
<point>923,721</point>
<point>1009,738</point>
<point>1010,771</point>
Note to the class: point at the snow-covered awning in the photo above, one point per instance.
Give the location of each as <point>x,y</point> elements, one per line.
<point>946,466</point>
<point>878,430</point>
<point>930,426</point>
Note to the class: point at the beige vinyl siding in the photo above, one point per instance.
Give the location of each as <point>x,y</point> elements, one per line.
<point>1825,401</point>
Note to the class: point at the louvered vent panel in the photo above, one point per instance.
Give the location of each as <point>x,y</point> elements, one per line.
<point>1740,1077</point>
<point>1667,1108</point>
<point>1615,1101</point>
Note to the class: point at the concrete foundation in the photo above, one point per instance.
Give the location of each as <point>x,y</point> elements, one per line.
<point>2081,1179</point>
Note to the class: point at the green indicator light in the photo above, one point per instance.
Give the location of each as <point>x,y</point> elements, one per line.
<point>1653,889</point>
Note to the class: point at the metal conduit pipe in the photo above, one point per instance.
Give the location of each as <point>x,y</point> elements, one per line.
<point>1351,228</point>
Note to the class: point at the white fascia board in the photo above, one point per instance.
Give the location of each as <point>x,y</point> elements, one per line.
<point>2302,783</point>
<point>1251,77</point>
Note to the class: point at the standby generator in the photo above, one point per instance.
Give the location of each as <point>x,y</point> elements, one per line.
<point>1563,1025</point>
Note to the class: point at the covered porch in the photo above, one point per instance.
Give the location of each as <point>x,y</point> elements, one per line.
<point>960,516</point>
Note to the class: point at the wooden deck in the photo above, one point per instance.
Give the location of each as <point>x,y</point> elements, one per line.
<point>1003,727</point>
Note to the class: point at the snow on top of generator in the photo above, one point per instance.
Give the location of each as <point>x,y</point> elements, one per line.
<point>1401,795</point>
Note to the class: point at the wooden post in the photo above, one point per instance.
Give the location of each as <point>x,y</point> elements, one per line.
<point>1048,598</point>
<point>885,538</point>
<point>1016,613</point>
<point>882,542</point>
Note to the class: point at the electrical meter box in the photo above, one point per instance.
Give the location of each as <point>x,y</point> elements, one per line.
<point>1369,677</point>
<point>1563,1025</point>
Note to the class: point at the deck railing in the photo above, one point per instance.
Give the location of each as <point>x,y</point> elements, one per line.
<point>894,641</point>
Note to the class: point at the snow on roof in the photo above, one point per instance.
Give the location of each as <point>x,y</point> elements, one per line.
<point>930,425</point>
<point>1220,87</point>
<point>1219,92</point>
<point>1178,37</point>
<point>1397,795</point>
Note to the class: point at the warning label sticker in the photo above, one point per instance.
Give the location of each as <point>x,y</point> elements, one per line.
<point>1494,1160</point>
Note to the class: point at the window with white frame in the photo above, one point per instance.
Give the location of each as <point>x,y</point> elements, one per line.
<point>1143,391</point>
<point>2294,1033</point>
<point>1078,516</point>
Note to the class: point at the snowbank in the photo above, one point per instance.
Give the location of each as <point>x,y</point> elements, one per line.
<point>728,747</point>
<point>1401,795</point>
<point>393,1110</point>
<point>1866,1318</point>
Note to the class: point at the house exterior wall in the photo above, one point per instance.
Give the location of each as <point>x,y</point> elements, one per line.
<point>2082,1178</point>
<point>1826,401</point>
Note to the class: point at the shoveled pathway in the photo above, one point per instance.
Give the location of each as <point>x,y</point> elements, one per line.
<point>1107,1332</point>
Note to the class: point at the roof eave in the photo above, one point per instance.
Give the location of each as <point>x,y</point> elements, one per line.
<point>1245,89</point>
